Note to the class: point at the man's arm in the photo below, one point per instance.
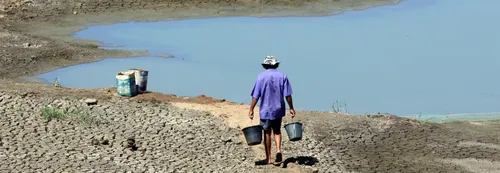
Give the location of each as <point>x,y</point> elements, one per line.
<point>255,97</point>
<point>288,92</point>
<point>289,100</point>
<point>254,103</point>
<point>288,95</point>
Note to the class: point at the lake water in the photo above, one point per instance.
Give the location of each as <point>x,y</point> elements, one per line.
<point>431,56</point>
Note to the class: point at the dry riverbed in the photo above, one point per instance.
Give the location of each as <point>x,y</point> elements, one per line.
<point>203,134</point>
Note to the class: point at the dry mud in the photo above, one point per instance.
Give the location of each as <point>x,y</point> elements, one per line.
<point>95,139</point>
<point>173,138</point>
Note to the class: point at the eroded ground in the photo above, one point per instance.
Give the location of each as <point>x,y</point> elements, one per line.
<point>181,133</point>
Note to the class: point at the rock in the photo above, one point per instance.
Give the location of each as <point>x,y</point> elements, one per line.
<point>90,101</point>
<point>95,142</point>
<point>109,136</point>
<point>227,140</point>
<point>26,45</point>
<point>108,158</point>
<point>189,137</point>
<point>130,141</point>
<point>105,142</point>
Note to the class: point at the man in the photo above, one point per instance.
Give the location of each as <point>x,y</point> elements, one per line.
<point>271,87</point>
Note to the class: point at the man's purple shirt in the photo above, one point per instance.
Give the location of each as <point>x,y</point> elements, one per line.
<point>271,87</point>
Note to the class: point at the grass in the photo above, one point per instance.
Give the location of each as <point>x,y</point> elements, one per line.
<point>339,107</point>
<point>52,113</point>
<point>79,116</point>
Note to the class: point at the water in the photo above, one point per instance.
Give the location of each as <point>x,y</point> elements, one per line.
<point>421,56</point>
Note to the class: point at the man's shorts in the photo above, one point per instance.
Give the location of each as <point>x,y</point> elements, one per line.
<point>275,125</point>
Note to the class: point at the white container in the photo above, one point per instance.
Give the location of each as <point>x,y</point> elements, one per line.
<point>141,79</point>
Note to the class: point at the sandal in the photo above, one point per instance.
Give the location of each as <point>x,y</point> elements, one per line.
<point>279,157</point>
<point>263,162</point>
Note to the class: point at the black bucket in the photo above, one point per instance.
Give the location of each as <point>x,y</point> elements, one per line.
<point>253,134</point>
<point>294,131</point>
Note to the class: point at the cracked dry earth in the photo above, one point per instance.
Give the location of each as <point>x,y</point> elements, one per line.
<point>206,137</point>
<point>168,139</point>
<point>342,143</point>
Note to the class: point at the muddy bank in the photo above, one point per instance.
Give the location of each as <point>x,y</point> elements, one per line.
<point>35,36</point>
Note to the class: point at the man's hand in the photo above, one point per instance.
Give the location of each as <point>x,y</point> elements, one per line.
<point>292,113</point>
<point>250,114</point>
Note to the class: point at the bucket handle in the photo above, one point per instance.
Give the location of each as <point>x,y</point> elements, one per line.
<point>252,121</point>
<point>292,121</point>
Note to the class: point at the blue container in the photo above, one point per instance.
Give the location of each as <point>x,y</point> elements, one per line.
<point>125,84</point>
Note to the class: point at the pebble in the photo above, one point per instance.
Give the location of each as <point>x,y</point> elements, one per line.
<point>91,101</point>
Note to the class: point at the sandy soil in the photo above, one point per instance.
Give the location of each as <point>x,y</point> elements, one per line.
<point>35,37</point>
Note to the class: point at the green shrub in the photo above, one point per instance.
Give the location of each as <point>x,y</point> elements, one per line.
<point>52,113</point>
<point>79,116</point>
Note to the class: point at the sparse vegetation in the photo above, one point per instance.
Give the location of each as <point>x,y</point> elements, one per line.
<point>50,113</point>
<point>429,119</point>
<point>339,108</point>
<point>417,117</point>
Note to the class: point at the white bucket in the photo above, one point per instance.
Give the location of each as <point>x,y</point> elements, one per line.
<point>141,79</point>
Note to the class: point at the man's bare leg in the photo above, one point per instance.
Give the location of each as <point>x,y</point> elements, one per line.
<point>276,126</point>
<point>267,143</point>
<point>277,141</point>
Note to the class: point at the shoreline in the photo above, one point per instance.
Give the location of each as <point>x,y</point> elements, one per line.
<point>69,25</point>
<point>168,19</point>
<point>62,29</point>
<point>69,32</point>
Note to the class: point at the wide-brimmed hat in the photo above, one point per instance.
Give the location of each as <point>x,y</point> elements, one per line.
<point>270,60</point>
